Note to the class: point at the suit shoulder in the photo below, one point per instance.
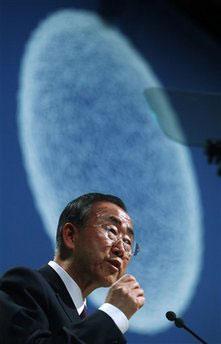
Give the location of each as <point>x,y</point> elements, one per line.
<point>22,284</point>
<point>20,273</point>
<point>22,277</point>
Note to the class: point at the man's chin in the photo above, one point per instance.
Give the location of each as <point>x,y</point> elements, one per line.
<point>107,281</point>
<point>109,276</point>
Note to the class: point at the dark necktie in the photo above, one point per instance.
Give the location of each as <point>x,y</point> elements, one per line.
<point>83,314</point>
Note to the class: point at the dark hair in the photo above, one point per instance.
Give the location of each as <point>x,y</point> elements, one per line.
<point>78,211</point>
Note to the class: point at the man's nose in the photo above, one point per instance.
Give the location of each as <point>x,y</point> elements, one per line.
<point>118,248</point>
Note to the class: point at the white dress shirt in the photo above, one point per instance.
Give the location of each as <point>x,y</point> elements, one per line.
<point>115,313</point>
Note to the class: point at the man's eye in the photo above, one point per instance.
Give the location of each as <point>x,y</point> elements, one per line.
<point>112,231</point>
<point>127,241</point>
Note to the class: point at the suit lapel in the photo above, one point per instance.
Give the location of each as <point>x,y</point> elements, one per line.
<point>61,292</point>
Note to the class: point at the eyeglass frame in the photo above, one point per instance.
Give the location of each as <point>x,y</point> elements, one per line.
<point>135,248</point>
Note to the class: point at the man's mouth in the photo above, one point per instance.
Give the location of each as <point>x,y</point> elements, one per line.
<point>116,265</point>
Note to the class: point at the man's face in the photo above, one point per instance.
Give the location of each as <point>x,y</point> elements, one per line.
<point>100,259</point>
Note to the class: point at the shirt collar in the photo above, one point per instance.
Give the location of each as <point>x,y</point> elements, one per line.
<point>71,285</point>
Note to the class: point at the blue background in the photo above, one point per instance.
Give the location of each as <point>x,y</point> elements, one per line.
<point>182,56</point>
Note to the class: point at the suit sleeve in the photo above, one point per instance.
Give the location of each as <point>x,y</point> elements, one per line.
<point>25,313</point>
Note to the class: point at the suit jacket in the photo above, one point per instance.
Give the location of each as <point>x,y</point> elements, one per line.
<point>36,308</point>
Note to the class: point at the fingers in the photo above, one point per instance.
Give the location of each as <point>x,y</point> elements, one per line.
<point>129,282</point>
<point>127,295</point>
<point>126,278</point>
<point>140,301</point>
<point>141,292</point>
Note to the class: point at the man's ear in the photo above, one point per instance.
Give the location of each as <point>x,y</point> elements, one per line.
<point>69,233</point>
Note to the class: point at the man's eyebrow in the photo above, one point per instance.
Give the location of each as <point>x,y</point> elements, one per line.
<point>117,221</point>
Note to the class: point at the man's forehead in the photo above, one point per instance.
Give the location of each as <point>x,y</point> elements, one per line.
<point>103,209</point>
<point>107,211</point>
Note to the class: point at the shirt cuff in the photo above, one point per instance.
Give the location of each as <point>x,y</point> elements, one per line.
<point>116,315</point>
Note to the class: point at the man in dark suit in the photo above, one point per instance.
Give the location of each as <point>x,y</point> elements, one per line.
<point>95,242</point>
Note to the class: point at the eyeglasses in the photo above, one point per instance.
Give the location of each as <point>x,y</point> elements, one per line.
<point>131,248</point>
<point>110,232</point>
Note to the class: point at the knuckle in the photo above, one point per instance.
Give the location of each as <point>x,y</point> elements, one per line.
<point>131,277</point>
<point>142,301</point>
<point>124,290</point>
<point>137,304</point>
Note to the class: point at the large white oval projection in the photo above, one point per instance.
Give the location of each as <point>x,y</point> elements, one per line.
<point>84,126</point>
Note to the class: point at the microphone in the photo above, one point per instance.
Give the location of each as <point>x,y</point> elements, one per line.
<point>171,316</point>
